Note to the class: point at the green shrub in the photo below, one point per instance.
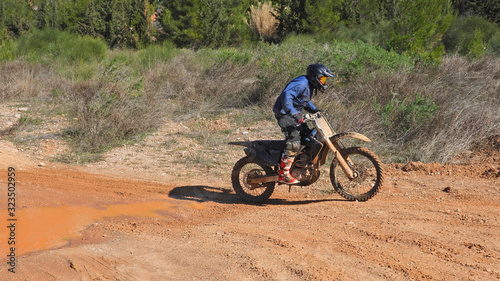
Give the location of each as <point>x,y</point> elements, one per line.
<point>6,50</point>
<point>407,114</point>
<point>367,32</point>
<point>356,59</point>
<point>53,45</point>
<point>416,27</point>
<point>154,54</point>
<point>472,36</point>
<point>237,57</point>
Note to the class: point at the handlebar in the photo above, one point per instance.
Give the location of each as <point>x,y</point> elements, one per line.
<point>311,116</point>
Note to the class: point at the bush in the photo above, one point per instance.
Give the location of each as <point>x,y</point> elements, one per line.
<point>357,59</point>
<point>262,23</point>
<point>418,26</point>
<point>52,45</point>
<point>472,36</point>
<point>107,114</point>
<point>6,50</point>
<point>437,113</point>
<point>154,54</point>
<point>373,34</point>
<point>401,116</point>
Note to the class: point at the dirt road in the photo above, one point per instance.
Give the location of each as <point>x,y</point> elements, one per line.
<point>84,223</point>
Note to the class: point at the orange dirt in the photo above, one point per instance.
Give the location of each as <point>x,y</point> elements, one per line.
<point>429,222</point>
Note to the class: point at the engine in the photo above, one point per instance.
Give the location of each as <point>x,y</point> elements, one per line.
<point>302,168</point>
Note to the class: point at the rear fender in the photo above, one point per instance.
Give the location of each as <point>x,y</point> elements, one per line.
<point>242,143</point>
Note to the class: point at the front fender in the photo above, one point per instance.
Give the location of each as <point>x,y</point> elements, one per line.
<point>355,135</point>
<point>335,138</point>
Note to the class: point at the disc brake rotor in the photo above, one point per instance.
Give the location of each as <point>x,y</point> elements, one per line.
<point>253,174</point>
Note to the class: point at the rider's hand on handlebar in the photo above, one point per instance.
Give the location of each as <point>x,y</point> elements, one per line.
<point>298,118</point>
<point>321,111</point>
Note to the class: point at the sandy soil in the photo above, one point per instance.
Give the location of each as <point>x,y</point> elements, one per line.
<point>112,221</point>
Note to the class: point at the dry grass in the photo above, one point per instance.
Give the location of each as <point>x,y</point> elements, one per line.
<point>262,22</point>
<point>195,90</point>
<point>119,104</point>
<point>24,81</point>
<point>108,113</point>
<point>467,93</point>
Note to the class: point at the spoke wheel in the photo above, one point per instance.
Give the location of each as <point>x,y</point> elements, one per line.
<point>243,171</point>
<point>367,171</point>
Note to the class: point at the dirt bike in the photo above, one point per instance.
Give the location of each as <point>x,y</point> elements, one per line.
<point>356,173</point>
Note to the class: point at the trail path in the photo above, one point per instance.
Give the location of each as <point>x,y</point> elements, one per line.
<point>89,223</point>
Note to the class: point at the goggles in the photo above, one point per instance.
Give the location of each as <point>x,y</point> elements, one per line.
<point>322,80</point>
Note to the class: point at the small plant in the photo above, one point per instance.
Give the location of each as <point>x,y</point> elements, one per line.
<point>237,57</point>
<point>154,54</point>
<point>407,114</point>
<point>6,49</point>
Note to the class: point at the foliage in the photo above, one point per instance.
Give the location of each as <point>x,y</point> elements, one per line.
<point>415,27</point>
<point>321,16</point>
<point>213,24</point>
<point>489,9</point>
<point>122,23</point>
<point>408,114</point>
<point>177,18</point>
<point>205,23</point>
<point>16,17</point>
<point>57,45</point>
<point>154,54</point>
<point>418,28</point>
<point>6,47</point>
<point>472,36</point>
<point>290,15</point>
<point>59,14</point>
<point>355,12</point>
<point>357,59</point>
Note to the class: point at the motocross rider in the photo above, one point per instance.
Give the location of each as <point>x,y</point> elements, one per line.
<point>288,112</point>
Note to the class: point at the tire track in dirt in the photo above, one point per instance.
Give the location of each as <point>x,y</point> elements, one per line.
<point>412,230</point>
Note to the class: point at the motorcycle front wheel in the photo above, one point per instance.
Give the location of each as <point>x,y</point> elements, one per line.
<point>367,171</point>
<point>245,170</point>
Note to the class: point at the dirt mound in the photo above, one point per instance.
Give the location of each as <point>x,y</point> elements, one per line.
<point>430,168</point>
<point>483,164</point>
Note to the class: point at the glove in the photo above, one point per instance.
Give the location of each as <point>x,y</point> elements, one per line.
<point>322,112</point>
<point>298,118</point>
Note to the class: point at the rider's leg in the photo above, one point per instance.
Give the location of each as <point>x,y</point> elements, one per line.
<point>292,147</point>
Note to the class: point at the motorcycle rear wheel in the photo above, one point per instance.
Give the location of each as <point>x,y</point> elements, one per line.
<point>367,170</point>
<point>246,169</point>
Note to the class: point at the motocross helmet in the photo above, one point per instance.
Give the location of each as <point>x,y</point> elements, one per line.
<point>317,74</point>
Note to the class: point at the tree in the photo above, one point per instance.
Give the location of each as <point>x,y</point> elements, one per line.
<point>178,18</point>
<point>489,9</point>
<point>122,23</point>
<point>211,23</point>
<point>213,26</point>
<point>419,25</point>
<point>290,15</point>
<point>17,17</point>
<point>321,16</point>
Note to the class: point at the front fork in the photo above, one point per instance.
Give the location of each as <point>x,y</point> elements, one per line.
<point>343,164</point>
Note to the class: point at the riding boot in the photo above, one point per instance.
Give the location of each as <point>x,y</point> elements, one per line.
<point>284,173</point>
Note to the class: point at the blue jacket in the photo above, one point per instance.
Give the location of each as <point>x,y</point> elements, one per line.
<point>295,97</point>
